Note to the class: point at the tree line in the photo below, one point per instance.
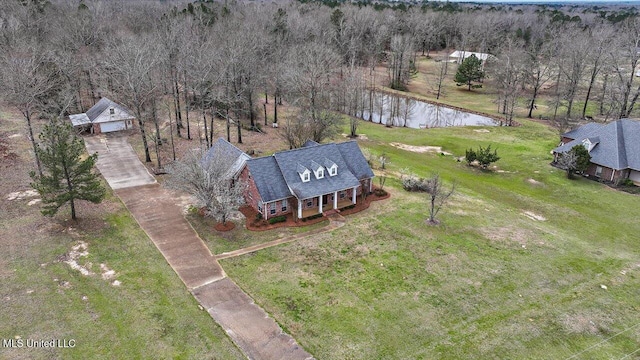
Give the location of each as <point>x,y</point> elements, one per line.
<point>207,60</point>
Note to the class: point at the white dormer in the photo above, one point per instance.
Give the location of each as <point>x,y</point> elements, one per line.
<point>305,174</point>
<point>332,168</point>
<point>318,170</point>
<point>588,144</point>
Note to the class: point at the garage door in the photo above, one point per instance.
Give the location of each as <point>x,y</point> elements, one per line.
<point>112,126</point>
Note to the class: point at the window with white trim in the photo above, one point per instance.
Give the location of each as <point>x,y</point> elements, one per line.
<point>284,205</point>
<point>309,203</point>
<point>342,194</point>
<point>306,177</point>
<point>598,171</point>
<point>333,170</point>
<point>272,208</point>
<point>320,173</point>
<point>112,111</point>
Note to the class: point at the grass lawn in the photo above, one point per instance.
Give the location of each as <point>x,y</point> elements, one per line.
<point>150,315</point>
<point>239,238</point>
<point>515,270</point>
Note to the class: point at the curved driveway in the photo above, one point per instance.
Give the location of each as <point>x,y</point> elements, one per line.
<point>156,210</point>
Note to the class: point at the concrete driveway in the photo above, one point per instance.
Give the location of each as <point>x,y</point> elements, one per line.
<point>117,161</point>
<point>157,212</point>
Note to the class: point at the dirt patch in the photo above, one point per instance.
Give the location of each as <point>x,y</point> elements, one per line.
<point>225,227</point>
<point>533,216</point>
<point>481,130</point>
<point>78,251</point>
<point>534,182</point>
<point>21,195</point>
<point>591,324</point>
<point>420,149</point>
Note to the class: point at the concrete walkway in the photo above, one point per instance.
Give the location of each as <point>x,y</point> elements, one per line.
<point>335,221</point>
<point>159,215</point>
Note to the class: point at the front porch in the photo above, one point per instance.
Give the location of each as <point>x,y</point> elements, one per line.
<point>331,201</point>
<point>314,211</point>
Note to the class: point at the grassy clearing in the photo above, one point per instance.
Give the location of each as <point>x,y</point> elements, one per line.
<point>150,315</point>
<point>490,282</point>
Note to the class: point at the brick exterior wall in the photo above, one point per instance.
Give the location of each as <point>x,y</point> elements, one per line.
<point>251,194</point>
<point>606,173</point>
<point>278,208</point>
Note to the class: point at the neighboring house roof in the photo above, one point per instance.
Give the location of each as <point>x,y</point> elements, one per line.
<point>460,54</point>
<point>222,150</point>
<point>309,157</point>
<point>615,145</point>
<point>101,113</point>
<point>268,179</point>
<point>79,119</point>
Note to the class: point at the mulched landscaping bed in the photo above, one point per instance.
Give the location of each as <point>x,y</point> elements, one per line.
<point>260,225</point>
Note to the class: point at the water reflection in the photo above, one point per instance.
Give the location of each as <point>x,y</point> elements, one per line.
<point>393,110</point>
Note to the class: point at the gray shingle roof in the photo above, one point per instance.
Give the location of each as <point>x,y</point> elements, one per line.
<point>617,143</point>
<point>97,113</point>
<point>268,179</point>
<point>98,109</point>
<point>310,143</point>
<point>356,162</point>
<point>224,151</point>
<point>288,161</point>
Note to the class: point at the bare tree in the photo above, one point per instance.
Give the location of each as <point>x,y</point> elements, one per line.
<point>130,65</point>
<point>28,79</point>
<point>206,177</point>
<point>438,196</point>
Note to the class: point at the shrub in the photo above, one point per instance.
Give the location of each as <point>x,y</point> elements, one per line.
<point>380,192</point>
<point>314,216</point>
<point>470,156</point>
<point>626,182</point>
<point>277,219</point>
<point>348,207</point>
<point>258,216</point>
<point>412,183</point>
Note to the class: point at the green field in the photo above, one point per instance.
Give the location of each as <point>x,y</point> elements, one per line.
<point>150,315</point>
<point>515,270</point>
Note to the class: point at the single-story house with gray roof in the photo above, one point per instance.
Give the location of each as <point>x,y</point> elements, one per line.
<point>307,181</point>
<point>103,117</point>
<point>614,149</point>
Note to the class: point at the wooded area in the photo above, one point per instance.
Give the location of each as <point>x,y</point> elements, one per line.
<point>205,60</point>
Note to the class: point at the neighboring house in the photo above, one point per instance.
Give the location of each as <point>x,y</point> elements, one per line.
<point>306,181</point>
<point>459,55</point>
<point>614,149</point>
<point>103,117</point>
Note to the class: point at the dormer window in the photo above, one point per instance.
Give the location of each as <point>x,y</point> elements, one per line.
<point>331,167</point>
<point>305,174</point>
<point>318,170</point>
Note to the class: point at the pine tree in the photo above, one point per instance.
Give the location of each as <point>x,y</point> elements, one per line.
<point>470,71</point>
<point>66,176</point>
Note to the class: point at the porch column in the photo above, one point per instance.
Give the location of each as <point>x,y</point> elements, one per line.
<point>320,204</point>
<point>299,209</point>
<point>371,185</point>
<point>353,195</point>
<point>335,200</point>
<point>613,173</point>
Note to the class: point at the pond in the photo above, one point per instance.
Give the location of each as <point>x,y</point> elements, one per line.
<point>394,110</point>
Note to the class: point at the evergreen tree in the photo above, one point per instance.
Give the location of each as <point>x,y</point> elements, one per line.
<point>66,176</point>
<point>470,71</point>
